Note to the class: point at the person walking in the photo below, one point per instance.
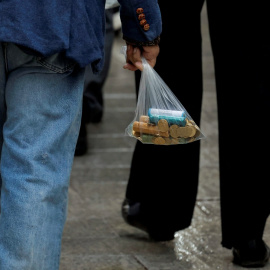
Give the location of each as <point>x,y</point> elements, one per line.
<point>161,200</point>
<point>44,49</point>
<point>92,110</point>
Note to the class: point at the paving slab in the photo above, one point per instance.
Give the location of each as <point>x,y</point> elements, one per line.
<point>102,262</point>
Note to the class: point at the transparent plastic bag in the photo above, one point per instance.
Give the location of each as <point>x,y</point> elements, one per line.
<point>111,4</point>
<point>160,118</point>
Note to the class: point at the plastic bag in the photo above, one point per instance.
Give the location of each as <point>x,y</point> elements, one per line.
<point>160,118</point>
<point>111,4</point>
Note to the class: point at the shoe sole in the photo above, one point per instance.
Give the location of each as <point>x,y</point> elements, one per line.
<point>256,264</point>
<point>251,264</point>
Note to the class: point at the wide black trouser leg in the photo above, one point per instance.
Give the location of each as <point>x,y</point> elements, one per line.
<point>240,43</point>
<point>93,85</point>
<point>165,178</point>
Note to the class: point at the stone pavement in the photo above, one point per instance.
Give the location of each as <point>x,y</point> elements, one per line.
<point>95,236</point>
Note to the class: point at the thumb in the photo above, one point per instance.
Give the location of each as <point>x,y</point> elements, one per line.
<point>139,65</point>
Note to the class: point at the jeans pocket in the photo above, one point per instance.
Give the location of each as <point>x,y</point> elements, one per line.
<point>57,63</point>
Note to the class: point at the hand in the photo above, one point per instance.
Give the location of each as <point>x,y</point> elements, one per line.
<point>134,54</point>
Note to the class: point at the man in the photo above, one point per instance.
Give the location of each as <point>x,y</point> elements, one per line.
<point>162,201</point>
<point>44,48</point>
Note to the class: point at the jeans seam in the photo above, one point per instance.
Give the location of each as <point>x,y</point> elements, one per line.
<point>54,68</point>
<point>6,58</point>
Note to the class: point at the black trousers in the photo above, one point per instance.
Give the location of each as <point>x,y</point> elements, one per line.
<point>93,84</point>
<point>165,178</point>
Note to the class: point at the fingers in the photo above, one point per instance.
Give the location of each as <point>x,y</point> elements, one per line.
<point>130,67</point>
<point>134,54</point>
<point>150,53</point>
<point>133,58</point>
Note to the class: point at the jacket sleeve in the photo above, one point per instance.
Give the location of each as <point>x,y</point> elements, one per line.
<point>141,21</point>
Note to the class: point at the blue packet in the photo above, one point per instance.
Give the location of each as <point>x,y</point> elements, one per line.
<point>171,116</point>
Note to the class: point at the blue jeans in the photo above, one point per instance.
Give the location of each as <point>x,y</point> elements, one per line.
<point>40,114</point>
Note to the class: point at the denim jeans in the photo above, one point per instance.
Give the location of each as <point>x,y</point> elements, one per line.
<point>40,114</point>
